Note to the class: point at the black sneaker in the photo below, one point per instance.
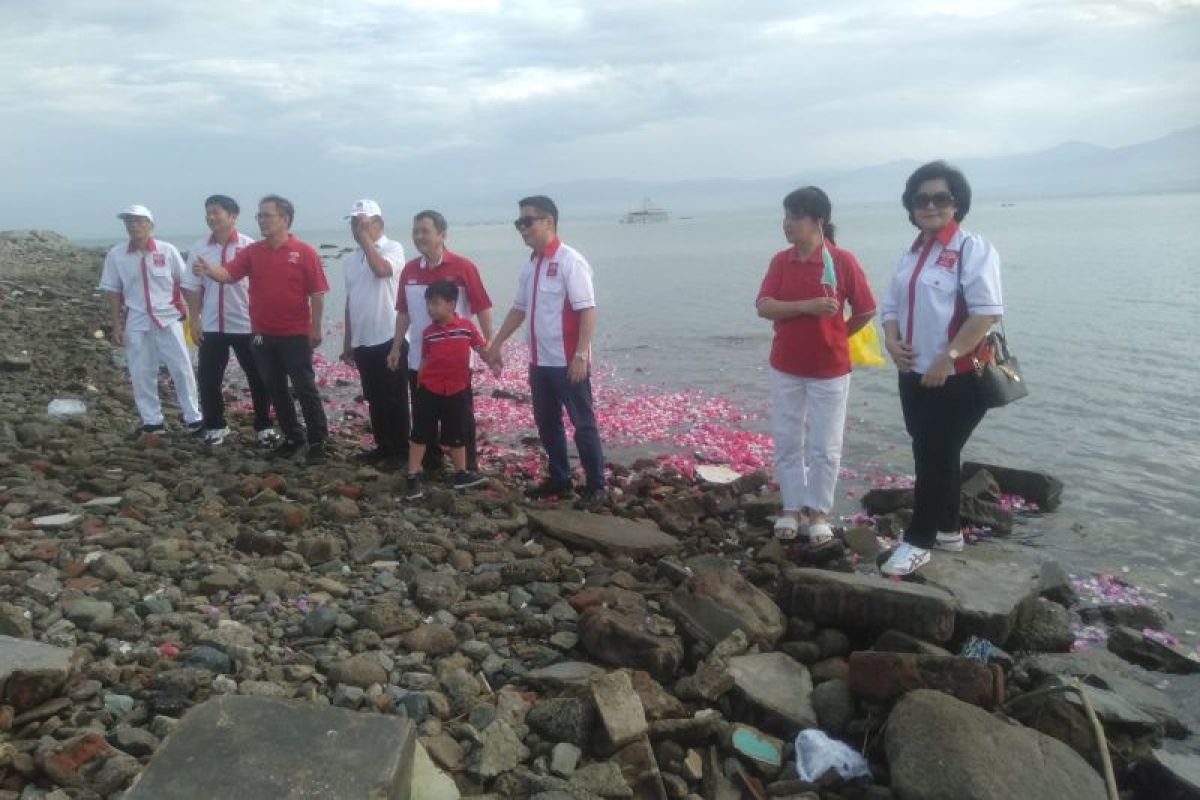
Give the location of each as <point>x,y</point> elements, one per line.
<point>195,429</point>
<point>371,456</point>
<point>594,499</point>
<point>550,488</point>
<point>287,449</point>
<point>413,490</point>
<point>467,479</point>
<point>141,430</point>
<point>316,454</point>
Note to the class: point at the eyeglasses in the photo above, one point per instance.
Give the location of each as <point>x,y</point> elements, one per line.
<point>525,222</point>
<point>260,216</point>
<point>938,199</point>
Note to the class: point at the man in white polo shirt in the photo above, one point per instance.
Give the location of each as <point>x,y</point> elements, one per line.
<point>372,276</point>
<point>220,319</point>
<point>555,292</point>
<point>142,278</point>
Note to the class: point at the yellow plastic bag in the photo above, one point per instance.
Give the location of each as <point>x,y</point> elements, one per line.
<point>864,348</point>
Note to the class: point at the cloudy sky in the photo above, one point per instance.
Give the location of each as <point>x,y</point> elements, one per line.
<point>457,103</point>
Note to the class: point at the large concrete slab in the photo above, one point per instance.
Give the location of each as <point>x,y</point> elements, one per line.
<point>996,586</point>
<point>238,747</point>
<point>777,685</point>
<point>868,602</point>
<point>31,672</point>
<point>615,536</point>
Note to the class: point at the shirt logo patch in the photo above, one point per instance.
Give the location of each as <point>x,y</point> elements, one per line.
<point>293,258</point>
<point>947,259</point>
<point>552,270</point>
<point>160,260</point>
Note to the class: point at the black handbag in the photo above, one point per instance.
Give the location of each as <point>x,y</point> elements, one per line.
<point>997,370</point>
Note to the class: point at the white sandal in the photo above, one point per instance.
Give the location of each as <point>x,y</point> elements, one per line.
<point>820,533</point>
<point>786,528</point>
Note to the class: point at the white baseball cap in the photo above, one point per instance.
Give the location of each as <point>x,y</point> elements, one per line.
<point>366,208</point>
<point>135,211</point>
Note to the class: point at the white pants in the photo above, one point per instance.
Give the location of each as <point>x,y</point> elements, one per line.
<point>144,351</point>
<point>808,416</point>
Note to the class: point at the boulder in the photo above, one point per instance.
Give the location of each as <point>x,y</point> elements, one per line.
<point>1047,630</point>
<point>882,677</point>
<point>1138,648</point>
<point>712,604</point>
<point>776,686</point>
<point>854,601</point>
<point>563,719</point>
<point>935,749</point>
<point>31,672</point>
<point>1036,487</point>
<point>625,640</point>
<point>615,536</point>
<point>235,746</point>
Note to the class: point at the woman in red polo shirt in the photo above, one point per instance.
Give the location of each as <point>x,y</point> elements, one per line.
<point>804,294</point>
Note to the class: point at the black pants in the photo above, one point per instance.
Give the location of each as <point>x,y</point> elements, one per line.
<point>433,453</point>
<point>284,358</point>
<point>940,421</point>
<point>214,357</point>
<point>386,393</point>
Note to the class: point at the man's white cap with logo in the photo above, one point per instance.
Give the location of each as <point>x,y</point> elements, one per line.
<point>135,211</point>
<point>366,208</point>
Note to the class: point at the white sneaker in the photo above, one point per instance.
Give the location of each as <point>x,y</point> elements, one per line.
<point>269,438</point>
<point>819,533</point>
<point>905,560</point>
<point>952,542</point>
<point>215,436</point>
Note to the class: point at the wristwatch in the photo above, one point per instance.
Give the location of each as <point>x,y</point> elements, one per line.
<point>580,357</point>
<point>954,354</point>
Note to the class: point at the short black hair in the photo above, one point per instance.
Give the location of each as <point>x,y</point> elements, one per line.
<point>435,217</point>
<point>812,202</point>
<point>224,201</point>
<point>282,205</point>
<point>445,290</point>
<point>541,203</point>
<point>955,180</point>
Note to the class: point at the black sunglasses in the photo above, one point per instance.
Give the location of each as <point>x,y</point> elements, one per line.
<point>525,222</point>
<point>938,199</point>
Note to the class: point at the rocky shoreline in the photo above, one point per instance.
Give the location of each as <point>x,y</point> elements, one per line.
<point>667,647</point>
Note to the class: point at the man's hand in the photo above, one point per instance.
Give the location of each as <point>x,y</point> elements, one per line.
<point>359,231</point>
<point>941,368</point>
<point>821,306</point>
<point>901,353</point>
<point>315,338</point>
<point>201,266</point>
<point>118,335</point>
<point>494,359</point>
<point>348,356</point>
<point>197,330</point>
<point>393,359</point>
<point>578,370</point>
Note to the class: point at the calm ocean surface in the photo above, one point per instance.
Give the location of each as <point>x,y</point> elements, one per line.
<point>1103,308</point>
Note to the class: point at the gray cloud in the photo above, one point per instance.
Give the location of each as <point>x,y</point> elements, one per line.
<point>101,104</point>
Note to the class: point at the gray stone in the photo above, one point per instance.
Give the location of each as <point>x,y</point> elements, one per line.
<point>499,750</point>
<point>436,591</point>
<point>850,600</point>
<point>15,621</point>
<point>208,658</point>
<point>996,586</point>
<point>776,685</point>
<point>1137,648</point>
<point>834,706</point>
<point>429,782</point>
<point>564,758</point>
<point>90,615</point>
<point>247,747</point>
<point>615,536</point>
<point>1047,630</point>
<point>893,641</point>
<point>1017,761</point>
<point>712,604</point>
<point>562,719</point>
<point>604,779</point>
<point>319,622</point>
<point>565,673</point>
<point>1036,487</point>
<point>31,672</point>
<point>118,704</point>
<point>628,640</point>
<point>362,670</point>
<point>619,707</point>
<point>136,742</point>
<point>1179,773</point>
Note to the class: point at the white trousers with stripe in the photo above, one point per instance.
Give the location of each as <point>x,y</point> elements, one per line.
<point>144,351</point>
<point>808,417</point>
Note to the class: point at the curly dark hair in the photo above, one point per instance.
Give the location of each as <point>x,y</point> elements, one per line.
<point>931,172</point>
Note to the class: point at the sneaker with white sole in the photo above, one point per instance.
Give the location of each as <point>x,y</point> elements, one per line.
<point>819,533</point>
<point>269,438</point>
<point>905,560</point>
<point>951,542</point>
<point>195,429</point>
<point>215,436</point>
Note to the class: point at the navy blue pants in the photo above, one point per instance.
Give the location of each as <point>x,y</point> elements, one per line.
<point>552,392</point>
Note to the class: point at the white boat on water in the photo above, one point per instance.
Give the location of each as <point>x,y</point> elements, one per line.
<point>647,214</point>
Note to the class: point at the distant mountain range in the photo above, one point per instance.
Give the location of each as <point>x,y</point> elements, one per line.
<point>1073,169</point>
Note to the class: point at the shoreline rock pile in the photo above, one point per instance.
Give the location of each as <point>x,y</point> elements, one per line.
<point>667,647</point>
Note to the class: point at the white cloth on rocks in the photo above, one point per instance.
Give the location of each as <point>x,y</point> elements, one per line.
<point>817,754</point>
<point>808,417</point>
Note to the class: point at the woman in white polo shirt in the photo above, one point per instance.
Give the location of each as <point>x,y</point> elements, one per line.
<point>943,299</point>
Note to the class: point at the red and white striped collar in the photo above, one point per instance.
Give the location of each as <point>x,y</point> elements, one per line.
<point>151,247</point>
<point>943,236</point>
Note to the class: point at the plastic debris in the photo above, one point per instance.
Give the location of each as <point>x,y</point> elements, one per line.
<point>979,649</point>
<point>817,754</point>
<point>66,408</point>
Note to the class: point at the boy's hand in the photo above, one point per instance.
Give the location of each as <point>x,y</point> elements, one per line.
<point>578,370</point>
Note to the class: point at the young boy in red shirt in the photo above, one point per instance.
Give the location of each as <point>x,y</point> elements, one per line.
<point>443,396</point>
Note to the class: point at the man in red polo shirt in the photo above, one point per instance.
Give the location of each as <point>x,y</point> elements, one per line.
<point>436,263</point>
<point>287,298</point>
